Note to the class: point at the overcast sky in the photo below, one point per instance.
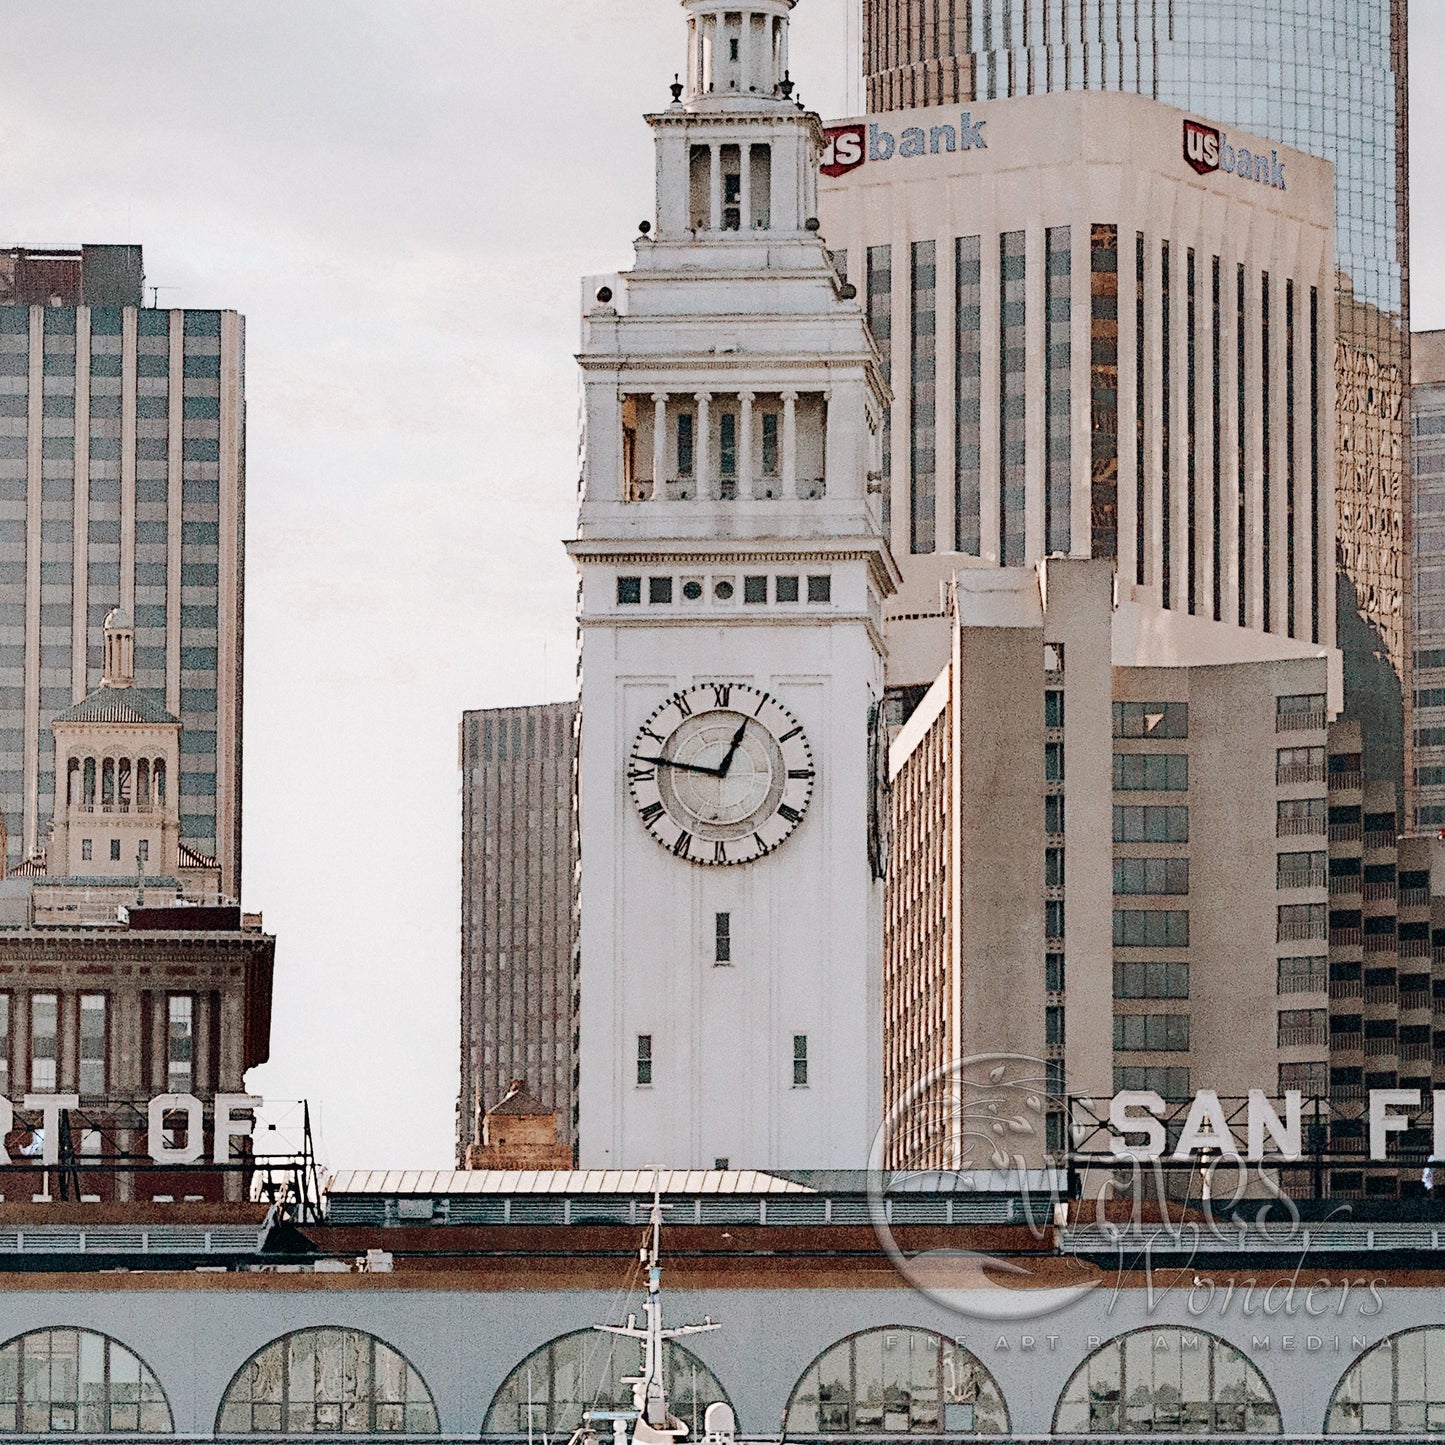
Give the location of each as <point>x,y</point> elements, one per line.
<point>401,197</point>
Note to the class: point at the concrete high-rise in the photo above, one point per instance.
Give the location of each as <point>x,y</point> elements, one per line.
<point>1327,78</point>
<point>519,912</point>
<point>1057,738</point>
<point>122,484</point>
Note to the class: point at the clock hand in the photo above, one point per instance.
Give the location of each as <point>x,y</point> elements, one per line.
<point>733,746</point>
<point>681,767</point>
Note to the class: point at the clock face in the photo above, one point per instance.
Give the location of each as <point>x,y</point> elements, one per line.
<point>721,773</point>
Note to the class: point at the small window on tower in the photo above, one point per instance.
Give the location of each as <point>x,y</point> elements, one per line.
<point>87,849</point>
<point>785,589</point>
<point>644,1060</point>
<point>1054,815</point>
<point>734,50</point>
<point>820,589</point>
<point>145,850</point>
<point>723,938</point>
<point>727,435</point>
<point>629,590</point>
<point>732,216</point>
<point>684,444</point>
<point>800,1061</point>
<point>1054,972</point>
<point>755,589</point>
<point>659,589</point>
<point>115,850</point>
<point>770,443</point>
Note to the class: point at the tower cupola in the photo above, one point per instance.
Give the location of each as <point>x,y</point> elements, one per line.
<point>119,649</point>
<point>737,50</point>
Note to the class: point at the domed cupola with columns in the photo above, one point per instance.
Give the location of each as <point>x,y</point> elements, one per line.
<point>117,759</point>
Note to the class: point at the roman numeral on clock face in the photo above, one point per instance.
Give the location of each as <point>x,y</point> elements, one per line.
<point>647,775</point>
<point>651,813</point>
<point>791,814</point>
<point>790,735</point>
<point>680,702</point>
<point>683,844</point>
<point>719,852</point>
<point>800,772</point>
<point>722,693</point>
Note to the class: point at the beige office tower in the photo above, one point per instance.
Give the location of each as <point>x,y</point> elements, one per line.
<point>1106,857</point>
<point>122,485</point>
<point>1099,346</point>
<point>1329,78</point>
<point>519,913</point>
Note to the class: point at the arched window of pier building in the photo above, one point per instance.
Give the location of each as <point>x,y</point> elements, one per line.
<point>1395,1388</point>
<point>1170,1380</point>
<point>549,1390</point>
<point>895,1381</point>
<point>78,1382</point>
<point>327,1379</point>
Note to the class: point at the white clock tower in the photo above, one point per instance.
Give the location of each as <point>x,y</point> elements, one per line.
<point>733,573</point>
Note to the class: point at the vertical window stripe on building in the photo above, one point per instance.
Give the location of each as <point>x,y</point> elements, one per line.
<point>880,323</point>
<point>1166,420</point>
<point>923,394</point>
<point>1104,391</point>
<point>1058,358</point>
<point>1266,470</point>
<point>968,394</point>
<point>1141,496</point>
<point>1012,420</point>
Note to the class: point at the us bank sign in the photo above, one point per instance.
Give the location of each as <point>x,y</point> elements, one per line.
<point>850,146</point>
<point>1207,150</point>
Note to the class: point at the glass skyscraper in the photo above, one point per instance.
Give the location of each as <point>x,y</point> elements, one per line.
<point>1325,76</point>
<point>122,459</point>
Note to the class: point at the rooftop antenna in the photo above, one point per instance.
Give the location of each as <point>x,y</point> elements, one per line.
<point>155,289</point>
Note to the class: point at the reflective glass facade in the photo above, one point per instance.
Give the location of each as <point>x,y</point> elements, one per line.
<point>1325,76</point>
<point>1427,407</point>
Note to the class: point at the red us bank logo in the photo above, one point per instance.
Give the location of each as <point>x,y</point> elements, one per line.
<point>845,151</point>
<point>1201,147</point>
